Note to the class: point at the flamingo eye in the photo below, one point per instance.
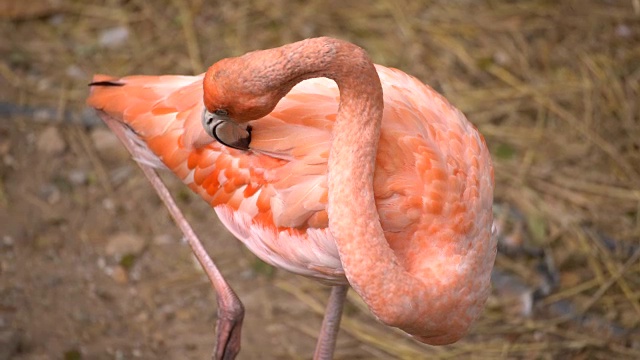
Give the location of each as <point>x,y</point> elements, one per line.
<point>221,112</point>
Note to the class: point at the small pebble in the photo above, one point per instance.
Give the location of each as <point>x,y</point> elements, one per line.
<point>50,193</point>
<point>501,58</point>
<point>5,144</point>
<point>623,31</point>
<point>9,161</point>
<point>44,84</point>
<point>8,241</point>
<point>50,141</point>
<point>108,146</point>
<point>78,177</point>
<point>122,244</point>
<point>57,20</point>
<point>75,72</point>
<point>114,37</point>
<point>163,239</point>
<point>119,275</point>
<point>108,204</point>
<point>515,297</point>
<point>102,263</point>
<point>142,317</point>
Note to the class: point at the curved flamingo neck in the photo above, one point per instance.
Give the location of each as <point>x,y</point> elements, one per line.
<point>240,81</point>
<point>371,267</point>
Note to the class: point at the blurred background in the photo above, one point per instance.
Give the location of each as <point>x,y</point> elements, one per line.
<point>91,266</point>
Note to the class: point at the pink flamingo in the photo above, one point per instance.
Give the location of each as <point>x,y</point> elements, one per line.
<point>372,180</point>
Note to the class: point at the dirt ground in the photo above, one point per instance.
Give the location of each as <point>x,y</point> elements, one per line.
<point>92,267</point>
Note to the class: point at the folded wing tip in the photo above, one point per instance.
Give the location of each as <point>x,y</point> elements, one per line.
<point>106,83</point>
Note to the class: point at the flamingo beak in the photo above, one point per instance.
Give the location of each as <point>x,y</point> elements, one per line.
<point>226,131</point>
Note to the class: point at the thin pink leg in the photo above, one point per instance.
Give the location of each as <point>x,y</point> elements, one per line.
<point>230,309</point>
<point>331,323</point>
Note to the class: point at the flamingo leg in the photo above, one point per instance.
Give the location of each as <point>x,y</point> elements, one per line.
<point>331,323</point>
<point>230,309</point>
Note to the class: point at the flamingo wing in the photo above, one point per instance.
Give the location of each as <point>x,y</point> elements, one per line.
<point>274,197</point>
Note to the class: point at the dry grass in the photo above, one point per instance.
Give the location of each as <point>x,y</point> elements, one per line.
<point>553,86</point>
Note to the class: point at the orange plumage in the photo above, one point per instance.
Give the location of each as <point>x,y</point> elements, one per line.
<point>433,181</point>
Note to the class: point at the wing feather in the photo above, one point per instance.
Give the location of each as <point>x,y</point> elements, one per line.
<point>274,197</point>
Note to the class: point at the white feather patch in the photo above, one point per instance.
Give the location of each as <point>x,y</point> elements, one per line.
<point>313,254</point>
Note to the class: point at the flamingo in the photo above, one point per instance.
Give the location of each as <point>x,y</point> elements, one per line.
<point>328,166</point>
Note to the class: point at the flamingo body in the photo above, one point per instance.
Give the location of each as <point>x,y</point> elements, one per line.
<point>433,180</point>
